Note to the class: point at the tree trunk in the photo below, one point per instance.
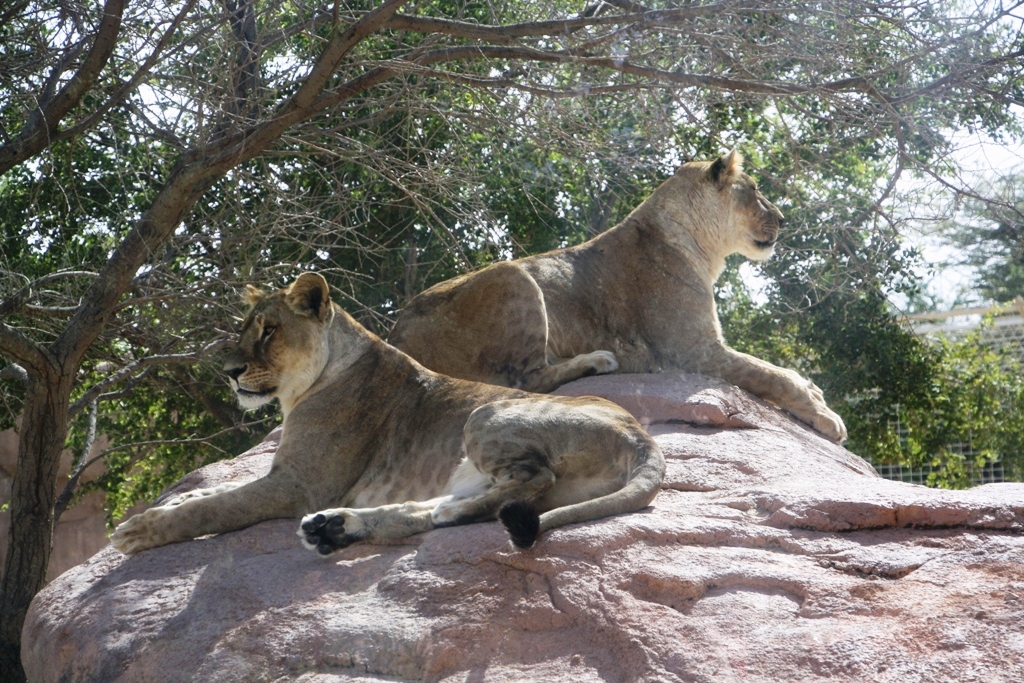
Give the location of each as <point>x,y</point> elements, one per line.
<point>47,396</point>
<point>43,430</point>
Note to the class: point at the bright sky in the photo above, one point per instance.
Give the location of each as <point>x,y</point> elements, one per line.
<point>981,160</point>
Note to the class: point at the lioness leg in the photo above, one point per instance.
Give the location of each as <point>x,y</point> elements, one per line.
<point>490,326</point>
<point>554,374</point>
<point>515,471</point>
<point>330,530</point>
<point>783,387</point>
<point>573,459</point>
<point>521,483</point>
<point>200,493</point>
<point>227,509</point>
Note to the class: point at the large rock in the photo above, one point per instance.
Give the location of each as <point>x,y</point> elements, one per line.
<point>770,555</point>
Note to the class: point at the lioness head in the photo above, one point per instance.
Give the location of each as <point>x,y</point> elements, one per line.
<point>283,345</point>
<point>721,208</point>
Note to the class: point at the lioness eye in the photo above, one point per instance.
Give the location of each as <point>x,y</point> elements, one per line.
<point>267,331</point>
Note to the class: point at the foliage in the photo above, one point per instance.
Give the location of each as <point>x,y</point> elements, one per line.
<point>968,413</point>
<point>989,233</point>
<point>946,404</point>
<point>69,216</point>
<point>172,433</point>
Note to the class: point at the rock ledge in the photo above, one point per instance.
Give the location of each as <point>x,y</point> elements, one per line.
<point>770,555</point>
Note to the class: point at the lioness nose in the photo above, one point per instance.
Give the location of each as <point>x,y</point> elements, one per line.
<point>236,371</point>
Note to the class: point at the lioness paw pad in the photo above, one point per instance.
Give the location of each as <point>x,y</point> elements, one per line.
<point>828,423</point>
<point>328,531</point>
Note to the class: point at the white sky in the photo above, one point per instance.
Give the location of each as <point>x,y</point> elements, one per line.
<point>981,159</point>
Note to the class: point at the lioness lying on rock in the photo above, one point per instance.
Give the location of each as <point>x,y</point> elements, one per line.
<point>367,428</point>
<point>637,298</point>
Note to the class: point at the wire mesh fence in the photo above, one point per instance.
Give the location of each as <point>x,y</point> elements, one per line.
<point>990,473</point>
<point>1004,333</point>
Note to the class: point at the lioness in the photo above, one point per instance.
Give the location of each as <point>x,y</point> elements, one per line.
<point>637,298</point>
<point>367,428</point>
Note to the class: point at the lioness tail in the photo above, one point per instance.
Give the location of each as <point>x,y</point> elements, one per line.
<point>521,521</point>
<point>524,525</point>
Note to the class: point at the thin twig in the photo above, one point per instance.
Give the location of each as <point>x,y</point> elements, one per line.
<point>83,460</point>
<point>96,390</point>
<point>20,298</point>
<point>68,493</point>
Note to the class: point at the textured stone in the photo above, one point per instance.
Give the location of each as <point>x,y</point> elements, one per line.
<point>770,555</point>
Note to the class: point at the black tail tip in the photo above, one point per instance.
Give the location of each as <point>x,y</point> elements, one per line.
<point>521,521</point>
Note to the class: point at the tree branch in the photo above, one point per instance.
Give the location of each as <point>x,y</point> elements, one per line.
<point>957,75</point>
<point>20,298</point>
<point>31,310</point>
<point>531,29</point>
<point>41,128</point>
<point>623,66</point>
<point>95,392</point>
<point>136,78</point>
<point>83,461</point>
<point>245,74</point>
<point>12,11</point>
<point>194,173</point>
<point>15,372</point>
<point>621,4</point>
<point>23,350</point>
<point>536,29</point>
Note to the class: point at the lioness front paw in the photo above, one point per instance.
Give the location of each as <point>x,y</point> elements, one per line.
<point>830,424</point>
<point>331,530</point>
<point>817,414</point>
<point>603,362</point>
<point>141,532</point>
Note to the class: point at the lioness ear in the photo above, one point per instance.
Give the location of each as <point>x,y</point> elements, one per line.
<point>309,295</point>
<point>726,168</point>
<point>252,295</point>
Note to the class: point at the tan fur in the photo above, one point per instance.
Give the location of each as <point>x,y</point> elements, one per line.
<point>367,428</point>
<point>637,298</point>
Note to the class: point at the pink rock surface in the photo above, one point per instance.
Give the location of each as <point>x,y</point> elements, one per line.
<point>770,555</point>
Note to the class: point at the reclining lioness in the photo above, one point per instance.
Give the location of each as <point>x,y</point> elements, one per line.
<point>366,428</point>
<point>637,298</point>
